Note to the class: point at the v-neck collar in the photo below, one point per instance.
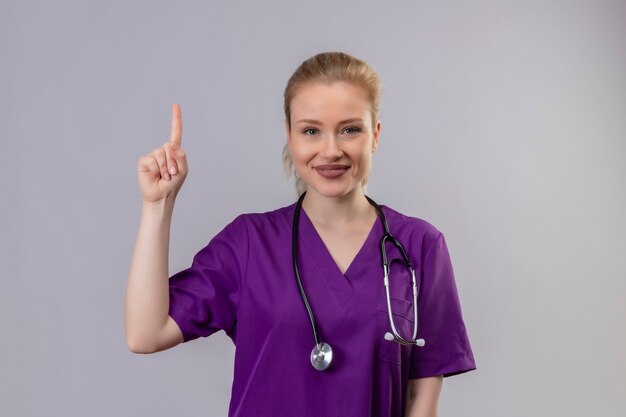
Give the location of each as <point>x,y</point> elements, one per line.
<point>342,285</point>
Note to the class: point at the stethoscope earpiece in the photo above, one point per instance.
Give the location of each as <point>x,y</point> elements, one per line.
<point>418,342</point>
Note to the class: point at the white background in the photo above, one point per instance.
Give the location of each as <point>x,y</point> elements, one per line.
<point>503,124</point>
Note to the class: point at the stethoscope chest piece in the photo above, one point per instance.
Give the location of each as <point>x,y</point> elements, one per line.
<point>321,355</point>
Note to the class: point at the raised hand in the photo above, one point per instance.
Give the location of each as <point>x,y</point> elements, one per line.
<point>163,171</point>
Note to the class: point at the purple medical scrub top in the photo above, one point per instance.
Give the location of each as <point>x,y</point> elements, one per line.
<point>243,282</point>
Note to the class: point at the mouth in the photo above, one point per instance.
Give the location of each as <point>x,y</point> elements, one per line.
<point>331,170</point>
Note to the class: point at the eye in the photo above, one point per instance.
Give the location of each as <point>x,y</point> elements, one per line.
<point>352,129</point>
<point>309,129</point>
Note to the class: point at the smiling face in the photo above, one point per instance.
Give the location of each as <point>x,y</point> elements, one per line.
<point>331,137</point>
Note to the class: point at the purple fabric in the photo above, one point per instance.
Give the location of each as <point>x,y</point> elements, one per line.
<point>242,282</point>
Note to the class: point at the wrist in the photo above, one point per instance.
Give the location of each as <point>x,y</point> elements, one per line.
<point>160,208</point>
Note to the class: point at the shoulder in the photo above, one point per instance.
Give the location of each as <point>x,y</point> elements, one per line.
<point>411,228</point>
<point>275,215</point>
<point>265,221</point>
<point>253,229</point>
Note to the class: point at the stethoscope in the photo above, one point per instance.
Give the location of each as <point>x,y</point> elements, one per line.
<point>322,353</point>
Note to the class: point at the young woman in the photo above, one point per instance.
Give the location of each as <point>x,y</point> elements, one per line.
<point>300,289</point>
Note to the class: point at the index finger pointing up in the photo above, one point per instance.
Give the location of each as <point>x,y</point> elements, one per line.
<point>177,125</point>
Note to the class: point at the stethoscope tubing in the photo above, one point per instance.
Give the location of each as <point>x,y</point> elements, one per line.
<point>294,251</point>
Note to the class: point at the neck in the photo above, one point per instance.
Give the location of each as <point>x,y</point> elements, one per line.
<point>329,211</point>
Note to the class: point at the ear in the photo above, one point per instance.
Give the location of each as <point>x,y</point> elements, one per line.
<point>376,137</point>
<point>287,132</point>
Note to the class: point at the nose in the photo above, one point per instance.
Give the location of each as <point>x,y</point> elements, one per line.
<point>331,149</point>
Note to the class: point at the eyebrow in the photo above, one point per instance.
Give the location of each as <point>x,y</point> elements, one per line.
<point>315,122</point>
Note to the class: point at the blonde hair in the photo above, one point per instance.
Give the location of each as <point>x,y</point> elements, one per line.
<point>329,67</point>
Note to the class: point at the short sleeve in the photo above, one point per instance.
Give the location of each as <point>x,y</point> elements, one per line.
<point>447,349</point>
<point>204,297</point>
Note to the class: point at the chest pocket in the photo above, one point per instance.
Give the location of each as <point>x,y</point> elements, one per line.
<point>402,310</point>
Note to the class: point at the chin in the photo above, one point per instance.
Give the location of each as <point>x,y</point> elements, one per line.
<point>332,191</point>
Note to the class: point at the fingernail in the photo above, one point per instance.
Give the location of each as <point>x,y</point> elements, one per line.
<point>173,170</point>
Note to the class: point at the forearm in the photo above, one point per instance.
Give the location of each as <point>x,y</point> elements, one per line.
<point>147,291</point>
<point>423,397</point>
